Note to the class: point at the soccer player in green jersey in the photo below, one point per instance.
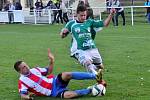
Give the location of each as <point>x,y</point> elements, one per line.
<point>83,47</point>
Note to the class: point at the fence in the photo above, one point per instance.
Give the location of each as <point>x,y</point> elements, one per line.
<point>46,15</point>
<point>132,13</point>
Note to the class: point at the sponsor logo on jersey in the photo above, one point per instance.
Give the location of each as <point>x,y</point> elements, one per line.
<point>77,29</point>
<point>83,35</point>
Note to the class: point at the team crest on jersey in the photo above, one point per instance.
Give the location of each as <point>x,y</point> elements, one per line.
<point>77,29</point>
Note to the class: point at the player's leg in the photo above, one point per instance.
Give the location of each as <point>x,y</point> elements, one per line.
<point>76,93</point>
<point>61,81</point>
<point>86,61</point>
<point>98,65</point>
<point>59,85</point>
<point>82,92</point>
<point>67,76</point>
<point>97,60</point>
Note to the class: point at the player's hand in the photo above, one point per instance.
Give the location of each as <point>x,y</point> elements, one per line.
<point>50,55</point>
<point>64,33</point>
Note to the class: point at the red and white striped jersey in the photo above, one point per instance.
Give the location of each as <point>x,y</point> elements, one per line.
<point>36,82</point>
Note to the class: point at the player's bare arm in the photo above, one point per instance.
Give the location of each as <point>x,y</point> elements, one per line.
<point>64,33</point>
<point>108,19</point>
<point>51,58</point>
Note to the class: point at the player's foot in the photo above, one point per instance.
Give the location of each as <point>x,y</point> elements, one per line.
<point>99,75</point>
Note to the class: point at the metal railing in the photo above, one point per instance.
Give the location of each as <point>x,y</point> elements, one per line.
<point>45,16</point>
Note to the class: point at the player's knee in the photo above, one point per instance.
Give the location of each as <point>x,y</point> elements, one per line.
<point>87,63</point>
<point>66,76</point>
<point>70,94</point>
<point>99,65</point>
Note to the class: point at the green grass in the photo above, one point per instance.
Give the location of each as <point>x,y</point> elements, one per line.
<point>125,52</point>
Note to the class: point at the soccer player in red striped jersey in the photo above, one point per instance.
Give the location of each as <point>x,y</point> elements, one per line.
<point>35,80</point>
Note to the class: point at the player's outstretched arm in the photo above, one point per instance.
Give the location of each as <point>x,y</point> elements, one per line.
<point>108,19</point>
<point>51,58</point>
<point>64,32</point>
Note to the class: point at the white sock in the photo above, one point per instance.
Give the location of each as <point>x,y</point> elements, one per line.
<point>92,68</point>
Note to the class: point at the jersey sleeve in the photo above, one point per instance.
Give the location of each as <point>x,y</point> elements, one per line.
<point>97,25</point>
<point>23,90</point>
<point>69,25</point>
<point>43,71</point>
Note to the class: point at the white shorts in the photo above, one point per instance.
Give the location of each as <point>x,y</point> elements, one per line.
<point>85,55</point>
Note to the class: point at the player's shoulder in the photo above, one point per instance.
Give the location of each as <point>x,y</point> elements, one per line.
<point>36,69</point>
<point>95,20</point>
<point>71,22</point>
<point>89,20</point>
<point>22,78</point>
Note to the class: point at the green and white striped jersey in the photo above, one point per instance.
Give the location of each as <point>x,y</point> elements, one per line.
<point>81,34</point>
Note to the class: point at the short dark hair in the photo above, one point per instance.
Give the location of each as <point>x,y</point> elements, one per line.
<point>81,3</point>
<point>16,65</point>
<point>81,8</point>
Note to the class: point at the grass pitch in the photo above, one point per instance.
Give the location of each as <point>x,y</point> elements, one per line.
<point>125,53</point>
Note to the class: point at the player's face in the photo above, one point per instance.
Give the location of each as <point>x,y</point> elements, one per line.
<point>24,68</point>
<point>82,16</point>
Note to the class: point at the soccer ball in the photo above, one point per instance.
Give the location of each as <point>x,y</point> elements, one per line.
<point>98,90</point>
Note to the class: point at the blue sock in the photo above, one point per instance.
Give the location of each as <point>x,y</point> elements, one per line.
<point>82,75</point>
<point>83,92</point>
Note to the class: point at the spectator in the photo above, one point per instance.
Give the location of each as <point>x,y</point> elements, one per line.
<point>55,11</point>
<point>10,7</point>
<point>119,11</point>
<point>50,2</point>
<point>148,10</point>
<point>52,6</point>
<point>64,11</point>
<point>18,6</point>
<point>55,1</point>
<point>39,7</point>
<point>6,6</point>
<point>58,5</point>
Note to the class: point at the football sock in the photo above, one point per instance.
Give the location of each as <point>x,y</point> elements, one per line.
<point>83,92</point>
<point>83,75</point>
<point>92,68</point>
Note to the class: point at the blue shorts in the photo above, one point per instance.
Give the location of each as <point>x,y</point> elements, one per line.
<point>59,86</point>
